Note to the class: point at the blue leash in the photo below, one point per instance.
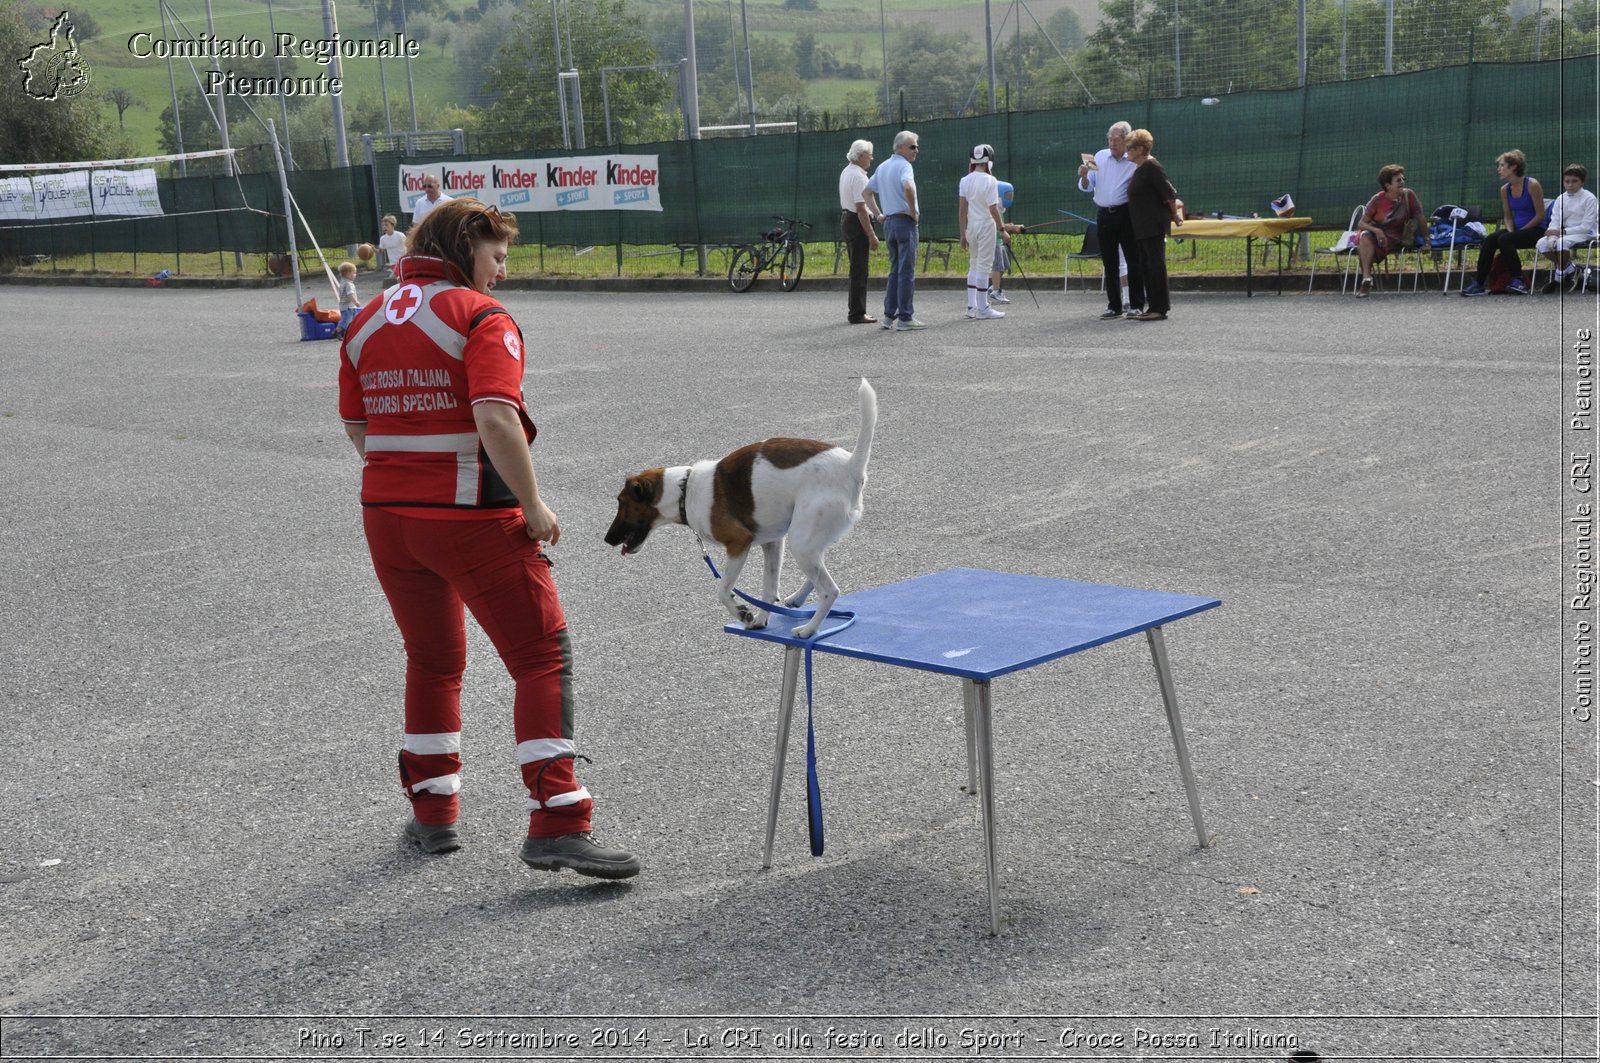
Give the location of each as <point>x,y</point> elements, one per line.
<point>813,788</point>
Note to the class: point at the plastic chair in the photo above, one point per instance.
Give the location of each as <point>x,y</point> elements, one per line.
<point>1089,250</point>
<point>1340,247</point>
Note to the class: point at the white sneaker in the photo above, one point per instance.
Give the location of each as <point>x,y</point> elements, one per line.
<point>989,313</point>
<point>910,325</point>
<point>972,311</point>
<point>998,296</point>
<point>887,322</point>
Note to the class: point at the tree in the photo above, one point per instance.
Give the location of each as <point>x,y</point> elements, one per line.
<point>33,130</point>
<point>526,113</point>
<point>122,99</point>
<point>937,72</point>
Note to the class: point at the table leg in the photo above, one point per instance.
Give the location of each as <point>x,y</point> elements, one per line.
<point>1169,695</point>
<point>1249,271</point>
<point>969,703</point>
<point>985,735</point>
<point>791,677</point>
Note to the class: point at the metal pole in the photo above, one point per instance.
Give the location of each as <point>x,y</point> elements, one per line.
<point>561,89</point>
<point>172,84</point>
<point>571,77</point>
<point>1177,51</point>
<point>222,125</point>
<point>411,86</point>
<point>330,33</point>
<point>1300,41</point>
<point>692,80</point>
<point>749,69</point>
<point>288,216</point>
<point>605,103</point>
<point>222,97</point>
<point>883,42</point>
<point>383,83</point>
<point>1388,39</point>
<point>283,102</point>
<point>1344,35</point>
<point>988,44</point>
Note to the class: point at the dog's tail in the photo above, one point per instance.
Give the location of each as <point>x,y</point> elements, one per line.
<point>869,422</point>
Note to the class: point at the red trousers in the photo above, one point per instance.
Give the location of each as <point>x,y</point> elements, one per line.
<point>428,569</point>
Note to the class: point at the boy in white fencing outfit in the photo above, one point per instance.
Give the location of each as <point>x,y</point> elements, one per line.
<point>978,220</point>
<point>1574,220</point>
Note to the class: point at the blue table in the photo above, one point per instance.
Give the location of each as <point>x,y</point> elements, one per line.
<point>978,625</point>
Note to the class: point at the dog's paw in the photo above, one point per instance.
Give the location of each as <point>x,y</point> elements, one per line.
<point>806,630</point>
<point>755,621</point>
<point>795,601</point>
<point>746,617</point>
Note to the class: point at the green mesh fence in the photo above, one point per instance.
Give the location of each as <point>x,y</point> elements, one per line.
<point>204,215</point>
<point>1323,144</point>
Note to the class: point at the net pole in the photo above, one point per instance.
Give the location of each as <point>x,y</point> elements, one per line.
<point>283,184</point>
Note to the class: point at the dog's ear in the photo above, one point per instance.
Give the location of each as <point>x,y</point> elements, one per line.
<point>643,488</point>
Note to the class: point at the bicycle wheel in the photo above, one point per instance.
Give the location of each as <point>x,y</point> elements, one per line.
<point>794,261</point>
<point>744,269</point>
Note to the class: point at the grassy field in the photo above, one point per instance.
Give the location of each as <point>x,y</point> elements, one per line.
<point>1040,256</point>
<point>838,24</point>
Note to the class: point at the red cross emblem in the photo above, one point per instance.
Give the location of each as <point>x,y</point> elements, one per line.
<point>401,304</point>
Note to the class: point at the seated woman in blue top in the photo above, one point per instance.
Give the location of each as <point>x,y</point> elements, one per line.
<point>1522,208</point>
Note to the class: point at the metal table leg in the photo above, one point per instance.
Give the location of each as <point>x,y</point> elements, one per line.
<point>1169,695</point>
<point>969,703</point>
<point>985,735</point>
<point>791,677</point>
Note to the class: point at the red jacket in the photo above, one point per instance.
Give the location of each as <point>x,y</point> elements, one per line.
<point>413,363</point>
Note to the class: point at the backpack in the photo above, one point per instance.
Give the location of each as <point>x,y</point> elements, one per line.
<point>1499,275</point>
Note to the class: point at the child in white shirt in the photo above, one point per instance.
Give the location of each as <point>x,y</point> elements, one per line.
<point>978,219</point>
<point>391,243</point>
<point>1574,220</point>
<point>349,301</point>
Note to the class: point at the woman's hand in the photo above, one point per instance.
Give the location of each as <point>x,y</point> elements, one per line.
<point>542,523</point>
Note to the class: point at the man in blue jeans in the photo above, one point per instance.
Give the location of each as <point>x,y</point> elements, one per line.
<point>895,186</point>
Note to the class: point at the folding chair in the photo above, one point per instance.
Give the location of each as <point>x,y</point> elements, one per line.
<point>1343,246</point>
<point>1089,250</point>
<point>1581,271</point>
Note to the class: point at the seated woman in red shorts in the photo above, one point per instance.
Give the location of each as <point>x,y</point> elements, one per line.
<point>1383,224</point>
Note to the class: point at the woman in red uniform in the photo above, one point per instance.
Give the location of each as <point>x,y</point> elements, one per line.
<point>430,391</point>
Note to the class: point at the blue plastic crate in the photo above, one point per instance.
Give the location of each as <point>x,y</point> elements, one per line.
<point>312,329</point>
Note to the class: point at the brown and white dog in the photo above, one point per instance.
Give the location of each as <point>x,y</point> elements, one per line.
<point>800,489</point>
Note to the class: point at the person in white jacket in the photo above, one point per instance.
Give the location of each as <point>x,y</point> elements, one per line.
<point>1574,220</point>
<point>978,220</point>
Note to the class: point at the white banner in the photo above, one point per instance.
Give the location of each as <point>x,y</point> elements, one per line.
<point>62,195</point>
<point>16,199</point>
<point>125,192</point>
<point>584,182</point>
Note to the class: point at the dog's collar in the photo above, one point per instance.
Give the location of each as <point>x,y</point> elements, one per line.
<point>683,516</point>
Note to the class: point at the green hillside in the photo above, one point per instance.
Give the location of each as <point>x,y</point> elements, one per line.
<point>847,28</point>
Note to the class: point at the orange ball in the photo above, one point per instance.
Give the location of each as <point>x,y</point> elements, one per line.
<point>365,252</point>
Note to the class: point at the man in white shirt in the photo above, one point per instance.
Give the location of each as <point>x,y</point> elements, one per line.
<point>1574,220</point>
<point>857,209</point>
<point>431,197</point>
<point>1108,180</point>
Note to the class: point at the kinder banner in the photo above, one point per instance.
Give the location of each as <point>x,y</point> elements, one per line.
<point>16,199</point>
<point>125,192</point>
<point>62,195</point>
<point>585,182</point>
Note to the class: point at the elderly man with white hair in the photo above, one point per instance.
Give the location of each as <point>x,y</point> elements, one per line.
<point>1108,179</point>
<point>857,210</point>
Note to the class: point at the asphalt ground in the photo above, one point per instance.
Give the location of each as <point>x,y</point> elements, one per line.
<point>201,684</point>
